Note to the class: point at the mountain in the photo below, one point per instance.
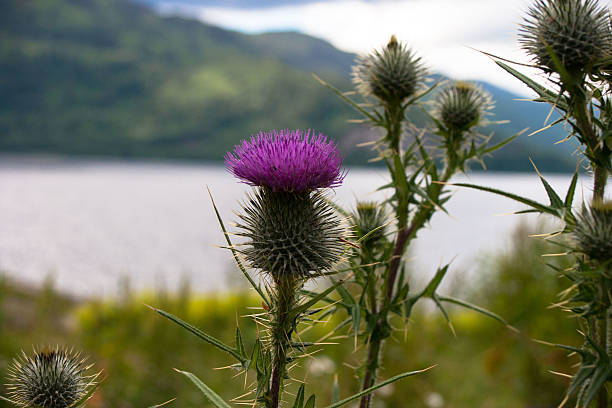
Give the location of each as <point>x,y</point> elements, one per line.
<point>111,77</point>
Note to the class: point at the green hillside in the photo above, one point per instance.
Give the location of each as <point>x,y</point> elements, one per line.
<point>111,77</point>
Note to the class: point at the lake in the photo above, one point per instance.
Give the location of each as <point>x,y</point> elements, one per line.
<point>91,224</point>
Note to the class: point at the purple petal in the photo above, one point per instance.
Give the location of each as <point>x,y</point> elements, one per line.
<point>287,160</point>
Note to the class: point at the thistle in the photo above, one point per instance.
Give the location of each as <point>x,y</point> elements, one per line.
<point>391,74</point>
<point>53,378</point>
<point>291,228</point>
<point>576,32</point>
<point>460,106</point>
<point>593,232</point>
<point>292,232</point>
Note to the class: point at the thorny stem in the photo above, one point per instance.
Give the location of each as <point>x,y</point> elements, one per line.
<point>394,115</point>
<point>282,328</point>
<point>404,236</point>
<point>374,351</point>
<point>600,181</point>
<point>580,112</point>
<point>600,177</point>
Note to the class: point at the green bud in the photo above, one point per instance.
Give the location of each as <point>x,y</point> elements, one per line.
<point>461,105</point>
<point>369,218</point>
<point>53,378</point>
<point>391,74</point>
<point>576,32</point>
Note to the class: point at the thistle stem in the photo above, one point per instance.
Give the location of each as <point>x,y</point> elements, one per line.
<point>404,237</point>
<point>599,182</point>
<point>374,353</point>
<point>584,124</point>
<point>282,328</point>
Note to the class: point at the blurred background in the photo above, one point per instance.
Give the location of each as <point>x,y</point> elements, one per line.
<point>114,118</point>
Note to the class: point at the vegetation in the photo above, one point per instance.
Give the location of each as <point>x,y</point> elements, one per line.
<point>137,351</point>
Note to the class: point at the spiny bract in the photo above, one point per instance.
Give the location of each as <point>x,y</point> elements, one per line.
<point>577,32</point>
<point>297,234</point>
<point>461,105</point>
<point>593,232</point>
<point>391,74</point>
<point>49,379</point>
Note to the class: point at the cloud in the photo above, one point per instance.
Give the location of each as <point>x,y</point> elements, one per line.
<point>443,32</point>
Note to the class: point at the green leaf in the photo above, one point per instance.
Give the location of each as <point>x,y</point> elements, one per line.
<point>311,402</point>
<point>566,78</point>
<point>430,289</point>
<point>204,336</point>
<point>435,298</point>
<point>235,253</point>
<point>299,399</point>
<point>546,94</point>
<point>212,396</point>
<point>377,386</point>
<point>347,298</point>
<point>569,198</point>
<point>239,343</point>
<point>534,204</point>
<point>254,355</point>
<point>478,309</point>
<point>555,200</point>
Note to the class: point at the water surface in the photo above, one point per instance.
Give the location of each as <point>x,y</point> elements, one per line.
<point>90,223</point>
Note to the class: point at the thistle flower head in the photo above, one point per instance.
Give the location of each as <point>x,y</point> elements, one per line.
<point>391,74</point>
<point>53,378</point>
<point>593,232</point>
<point>576,32</point>
<point>287,160</point>
<point>461,106</point>
<point>291,234</point>
<point>369,221</point>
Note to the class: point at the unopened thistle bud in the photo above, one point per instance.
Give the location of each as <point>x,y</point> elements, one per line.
<point>593,232</point>
<point>55,378</point>
<point>290,227</point>
<point>576,32</point>
<point>369,222</point>
<point>391,74</point>
<point>461,105</point>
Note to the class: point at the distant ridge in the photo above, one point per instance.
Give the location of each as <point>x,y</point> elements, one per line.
<point>113,78</point>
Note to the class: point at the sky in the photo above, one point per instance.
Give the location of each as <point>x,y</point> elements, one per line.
<point>445,33</point>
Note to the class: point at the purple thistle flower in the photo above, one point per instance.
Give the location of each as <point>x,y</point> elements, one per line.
<point>287,160</point>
